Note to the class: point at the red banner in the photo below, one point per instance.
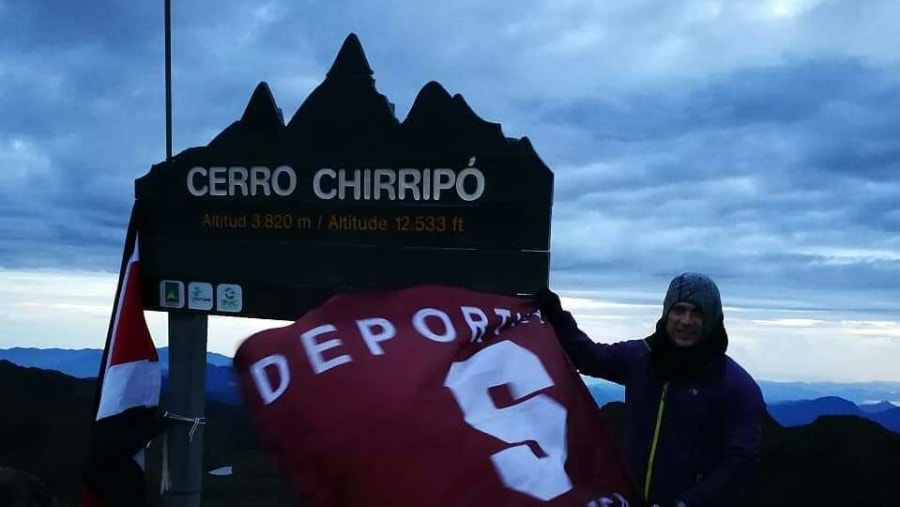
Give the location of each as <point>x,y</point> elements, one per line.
<point>429,396</point>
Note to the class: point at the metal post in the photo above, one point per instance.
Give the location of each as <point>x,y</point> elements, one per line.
<point>187,374</point>
<point>168,29</point>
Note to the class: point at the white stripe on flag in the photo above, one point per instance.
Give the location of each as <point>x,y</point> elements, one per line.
<point>129,385</point>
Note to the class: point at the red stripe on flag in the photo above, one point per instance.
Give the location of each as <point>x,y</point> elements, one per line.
<point>131,340</point>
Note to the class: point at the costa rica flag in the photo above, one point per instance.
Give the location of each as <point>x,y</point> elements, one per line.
<point>129,381</point>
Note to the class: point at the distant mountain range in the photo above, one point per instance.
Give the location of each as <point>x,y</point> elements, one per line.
<point>801,412</point>
<point>874,408</point>
<point>85,363</point>
<point>796,413</point>
<point>790,403</point>
<point>862,394</point>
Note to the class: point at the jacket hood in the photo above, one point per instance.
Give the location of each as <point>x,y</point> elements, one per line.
<point>697,289</point>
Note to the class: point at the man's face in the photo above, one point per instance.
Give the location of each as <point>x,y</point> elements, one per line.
<point>685,324</point>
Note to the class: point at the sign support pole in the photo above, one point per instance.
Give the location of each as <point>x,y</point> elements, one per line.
<point>187,398</point>
<point>187,363</point>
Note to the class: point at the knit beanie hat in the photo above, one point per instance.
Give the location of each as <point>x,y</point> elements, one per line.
<point>697,289</point>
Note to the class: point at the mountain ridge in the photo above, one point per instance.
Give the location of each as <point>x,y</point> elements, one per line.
<point>84,362</point>
<point>789,413</point>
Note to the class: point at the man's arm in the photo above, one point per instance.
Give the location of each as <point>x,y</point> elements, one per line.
<point>593,359</point>
<point>734,473</point>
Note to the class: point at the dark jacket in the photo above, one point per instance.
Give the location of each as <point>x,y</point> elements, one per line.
<point>702,433</point>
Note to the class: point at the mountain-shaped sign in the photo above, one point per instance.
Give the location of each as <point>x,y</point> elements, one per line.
<point>345,196</point>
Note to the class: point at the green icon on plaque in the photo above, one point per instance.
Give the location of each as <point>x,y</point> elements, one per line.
<point>172,292</point>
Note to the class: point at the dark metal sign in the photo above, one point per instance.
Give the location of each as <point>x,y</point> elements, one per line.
<point>271,218</point>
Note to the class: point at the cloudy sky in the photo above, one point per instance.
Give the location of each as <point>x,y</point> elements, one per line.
<point>755,140</point>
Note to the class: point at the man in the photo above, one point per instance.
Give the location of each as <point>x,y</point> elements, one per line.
<point>694,415</point>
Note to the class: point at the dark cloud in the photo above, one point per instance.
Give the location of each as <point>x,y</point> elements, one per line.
<point>796,97</point>
<point>781,177</point>
<point>48,25</point>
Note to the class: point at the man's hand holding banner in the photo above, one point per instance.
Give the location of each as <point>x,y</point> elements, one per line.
<point>429,396</point>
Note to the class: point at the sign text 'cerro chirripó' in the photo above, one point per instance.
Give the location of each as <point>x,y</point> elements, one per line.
<point>270,218</point>
<point>353,184</point>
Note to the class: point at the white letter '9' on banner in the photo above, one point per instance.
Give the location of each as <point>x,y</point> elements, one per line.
<point>539,419</point>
